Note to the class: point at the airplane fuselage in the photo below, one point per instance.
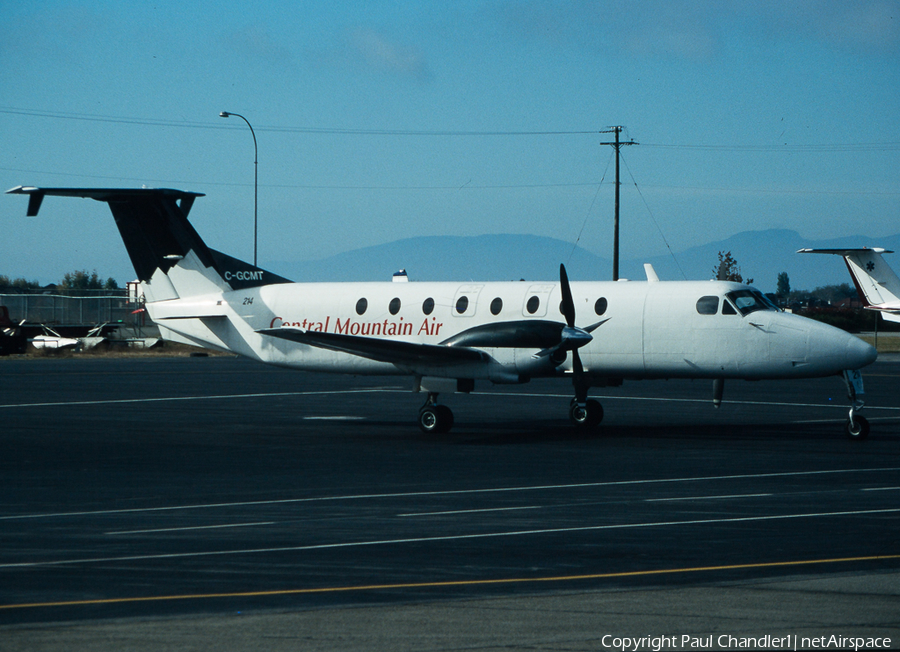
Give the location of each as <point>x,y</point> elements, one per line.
<point>651,329</point>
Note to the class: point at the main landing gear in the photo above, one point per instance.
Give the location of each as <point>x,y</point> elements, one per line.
<point>586,414</point>
<point>857,425</point>
<point>434,418</point>
<point>438,419</point>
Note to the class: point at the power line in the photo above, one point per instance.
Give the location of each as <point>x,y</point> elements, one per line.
<point>832,147</point>
<point>280,129</point>
<point>187,124</point>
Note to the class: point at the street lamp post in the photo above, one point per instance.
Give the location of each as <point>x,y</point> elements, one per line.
<point>226,114</point>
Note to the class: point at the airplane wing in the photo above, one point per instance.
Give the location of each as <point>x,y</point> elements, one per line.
<point>391,351</point>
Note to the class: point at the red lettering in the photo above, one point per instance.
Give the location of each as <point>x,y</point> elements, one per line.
<point>275,319</point>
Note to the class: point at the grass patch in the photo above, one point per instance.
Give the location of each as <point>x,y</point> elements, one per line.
<point>888,343</point>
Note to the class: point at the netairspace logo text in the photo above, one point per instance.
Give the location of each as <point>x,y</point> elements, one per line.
<point>726,641</point>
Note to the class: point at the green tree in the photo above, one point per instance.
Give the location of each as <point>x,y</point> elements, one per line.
<point>834,293</point>
<point>728,269</point>
<point>783,289</point>
<point>81,280</point>
<point>17,283</point>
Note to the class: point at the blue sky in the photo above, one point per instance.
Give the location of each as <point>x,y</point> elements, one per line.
<point>385,120</point>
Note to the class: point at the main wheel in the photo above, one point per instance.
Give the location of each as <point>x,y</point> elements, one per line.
<point>857,428</point>
<point>435,419</point>
<point>595,412</point>
<point>588,416</point>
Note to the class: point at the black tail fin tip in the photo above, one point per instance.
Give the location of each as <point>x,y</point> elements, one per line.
<point>154,227</point>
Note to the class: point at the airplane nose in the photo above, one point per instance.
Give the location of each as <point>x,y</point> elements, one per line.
<point>859,353</point>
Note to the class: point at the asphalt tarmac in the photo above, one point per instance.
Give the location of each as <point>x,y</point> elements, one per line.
<point>214,503</point>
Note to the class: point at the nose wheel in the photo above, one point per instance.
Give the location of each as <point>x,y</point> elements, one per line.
<point>857,427</point>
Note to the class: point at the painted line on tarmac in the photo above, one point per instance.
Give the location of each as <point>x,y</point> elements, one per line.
<point>395,390</point>
<point>441,538</point>
<point>193,398</point>
<point>666,500</point>
<point>613,397</point>
<point>452,492</point>
<point>473,511</point>
<point>455,583</point>
<point>195,527</point>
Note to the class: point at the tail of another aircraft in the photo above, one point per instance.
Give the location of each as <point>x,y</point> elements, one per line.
<point>876,282</point>
<point>169,257</point>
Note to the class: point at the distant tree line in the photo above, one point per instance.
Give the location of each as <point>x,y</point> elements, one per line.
<point>78,280</point>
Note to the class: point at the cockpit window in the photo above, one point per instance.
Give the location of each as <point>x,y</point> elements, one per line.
<point>708,305</point>
<point>747,301</point>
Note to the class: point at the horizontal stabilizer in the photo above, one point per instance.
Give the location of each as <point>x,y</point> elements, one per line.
<point>158,236</point>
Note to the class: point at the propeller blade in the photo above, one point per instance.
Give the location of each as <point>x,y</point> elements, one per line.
<point>593,327</point>
<point>581,388</point>
<point>568,305</point>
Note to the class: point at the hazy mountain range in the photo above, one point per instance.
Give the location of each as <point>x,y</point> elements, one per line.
<point>761,255</point>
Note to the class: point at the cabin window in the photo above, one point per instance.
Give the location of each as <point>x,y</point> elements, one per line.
<point>394,306</point>
<point>533,304</point>
<point>361,306</point>
<point>428,306</point>
<point>462,304</point>
<point>708,305</point>
<point>600,306</point>
<point>727,308</point>
<point>496,306</point>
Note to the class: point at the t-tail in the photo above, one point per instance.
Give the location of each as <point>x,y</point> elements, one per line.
<point>169,257</point>
<point>875,281</point>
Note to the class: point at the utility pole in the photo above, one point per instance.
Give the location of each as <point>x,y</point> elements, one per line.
<point>618,145</point>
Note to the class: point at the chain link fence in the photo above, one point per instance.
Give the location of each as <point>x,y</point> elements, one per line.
<point>90,307</point>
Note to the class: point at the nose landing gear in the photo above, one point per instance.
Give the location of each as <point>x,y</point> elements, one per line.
<point>857,426</point>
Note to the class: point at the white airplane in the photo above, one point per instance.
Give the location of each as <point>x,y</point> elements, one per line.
<point>875,281</point>
<point>447,336</point>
